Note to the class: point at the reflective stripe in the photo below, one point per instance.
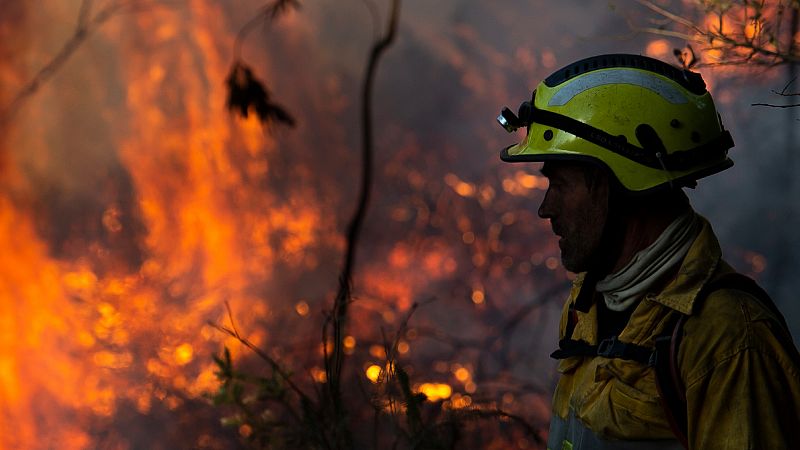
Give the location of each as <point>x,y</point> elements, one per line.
<point>665,89</point>
<point>573,434</point>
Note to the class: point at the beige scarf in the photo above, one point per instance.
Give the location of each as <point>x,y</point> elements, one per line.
<point>624,288</point>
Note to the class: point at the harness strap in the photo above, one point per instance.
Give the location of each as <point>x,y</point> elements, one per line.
<point>607,348</point>
<point>671,392</point>
<point>664,357</point>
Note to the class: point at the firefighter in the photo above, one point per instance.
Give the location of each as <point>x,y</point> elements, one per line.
<point>662,344</point>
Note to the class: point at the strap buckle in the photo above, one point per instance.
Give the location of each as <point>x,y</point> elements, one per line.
<point>611,348</point>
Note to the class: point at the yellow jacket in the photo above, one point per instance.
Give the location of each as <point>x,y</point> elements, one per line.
<point>742,378</point>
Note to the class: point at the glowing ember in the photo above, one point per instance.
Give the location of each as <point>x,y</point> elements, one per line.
<point>462,374</point>
<point>373,372</point>
<point>435,391</point>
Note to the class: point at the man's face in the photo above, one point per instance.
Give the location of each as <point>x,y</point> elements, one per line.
<point>577,208</point>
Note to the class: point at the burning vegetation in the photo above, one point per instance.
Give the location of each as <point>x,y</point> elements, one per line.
<point>160,254</point>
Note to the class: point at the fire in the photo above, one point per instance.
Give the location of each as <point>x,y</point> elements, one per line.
<point>84,334</point>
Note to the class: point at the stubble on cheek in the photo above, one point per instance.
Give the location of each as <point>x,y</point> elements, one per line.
<point>581,242</point>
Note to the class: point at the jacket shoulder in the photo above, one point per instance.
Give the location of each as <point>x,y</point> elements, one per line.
<point>731,321</point>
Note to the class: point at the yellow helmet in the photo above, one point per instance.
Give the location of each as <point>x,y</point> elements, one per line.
<point>651,124</point>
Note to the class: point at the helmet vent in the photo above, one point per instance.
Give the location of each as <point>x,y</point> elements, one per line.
<point>648,138</point>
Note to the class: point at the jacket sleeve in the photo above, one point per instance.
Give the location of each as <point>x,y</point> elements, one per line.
<point>742,380</point>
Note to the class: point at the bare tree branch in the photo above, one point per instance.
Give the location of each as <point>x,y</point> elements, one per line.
<point>790,105</point>
<point>87,23</point>
<point>744,32</point>
<point>265,14</point>
<point>333,364</point>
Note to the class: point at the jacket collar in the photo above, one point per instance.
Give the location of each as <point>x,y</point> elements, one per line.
<point>697,268</point>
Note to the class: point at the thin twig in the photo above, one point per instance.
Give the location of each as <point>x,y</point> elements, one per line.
<point>85,26</point>
<point>754,48</point>
<point>791,105</point>
<point>247,343</point>
<point>265,14</point>
<point>334,363</point>
<point>669,15</point>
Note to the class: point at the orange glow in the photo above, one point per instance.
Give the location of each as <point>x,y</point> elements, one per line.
<point>301,308</point>
<point>470,387</point>
<point>403,347</point>
<point>435,391</point>
<point>753,29</point>
<point>462,374</point>
<point>459,401</point>
<point>373,372</point>
<point>468,237</point>
<point>349,342</point>
<point>460,187</point>
<point>549,59</point>
<point>477,297</point>
<point>659,48</point>
<point>377,351</point>
<point>184,354</point>
<point>245,430</point>
<point>318,375</point>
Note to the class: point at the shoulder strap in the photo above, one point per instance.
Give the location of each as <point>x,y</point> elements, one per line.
<point>744,283</point>
<point>672,392</point>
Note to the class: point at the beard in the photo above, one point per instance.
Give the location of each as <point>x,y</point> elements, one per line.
<point>582,247</point>
<point>575,256</point>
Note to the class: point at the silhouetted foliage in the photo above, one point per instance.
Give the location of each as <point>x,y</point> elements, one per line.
<point>245,91</point>
<point>727,32</point>
<point>686,56</point>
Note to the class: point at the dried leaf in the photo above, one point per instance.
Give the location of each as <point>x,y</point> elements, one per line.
<point>245,91</point>
<point>685,57</point>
